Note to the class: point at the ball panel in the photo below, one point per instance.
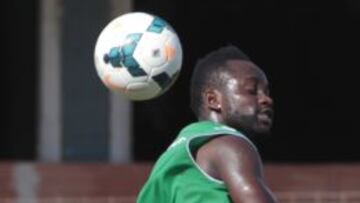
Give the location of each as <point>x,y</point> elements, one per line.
<point>175,58</point>
<point>142,90</point>
<point>114,85</point>
<point>150,51</point>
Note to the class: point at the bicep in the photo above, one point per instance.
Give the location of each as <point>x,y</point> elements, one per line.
<point>239,166</point>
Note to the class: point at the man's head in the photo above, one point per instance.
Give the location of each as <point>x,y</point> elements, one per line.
<point>228,88</point>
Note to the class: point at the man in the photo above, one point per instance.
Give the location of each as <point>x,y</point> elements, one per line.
<point>212,161</point>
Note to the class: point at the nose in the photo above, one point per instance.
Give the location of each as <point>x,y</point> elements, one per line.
<point>266,100</point>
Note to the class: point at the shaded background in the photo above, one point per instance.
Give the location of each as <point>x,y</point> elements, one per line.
<point>308,49</point>
<point>310,53</point>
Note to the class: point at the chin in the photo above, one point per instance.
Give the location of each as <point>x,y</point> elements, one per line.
<point>263,131</point>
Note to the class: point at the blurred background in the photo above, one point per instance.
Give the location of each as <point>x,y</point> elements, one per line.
<point>59,123</point>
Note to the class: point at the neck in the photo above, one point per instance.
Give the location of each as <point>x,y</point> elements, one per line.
<point>212,116</point>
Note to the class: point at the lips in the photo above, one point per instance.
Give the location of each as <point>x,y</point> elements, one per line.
<point>266,115</point>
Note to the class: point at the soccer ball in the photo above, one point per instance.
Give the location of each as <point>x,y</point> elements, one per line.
<point>138,55</point>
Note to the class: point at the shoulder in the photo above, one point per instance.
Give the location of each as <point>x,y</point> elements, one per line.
<point>227,153</point>
<point>229,145</point>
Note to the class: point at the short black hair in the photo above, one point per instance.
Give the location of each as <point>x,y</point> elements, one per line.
<point>205,72</point>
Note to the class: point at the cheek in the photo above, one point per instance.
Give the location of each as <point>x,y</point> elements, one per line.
<point>243,105</point>
<point>249,110</point>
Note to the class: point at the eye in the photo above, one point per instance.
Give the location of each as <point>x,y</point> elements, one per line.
<point>252,89</point>
<point>251,86</point>
<point>265,90</point>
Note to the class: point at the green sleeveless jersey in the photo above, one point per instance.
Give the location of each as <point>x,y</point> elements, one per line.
<point>177,178</point>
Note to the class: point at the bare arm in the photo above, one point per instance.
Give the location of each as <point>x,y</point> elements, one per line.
<point>237,163</point>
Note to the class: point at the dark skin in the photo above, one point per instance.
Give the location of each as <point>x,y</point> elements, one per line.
<point>243,102</point>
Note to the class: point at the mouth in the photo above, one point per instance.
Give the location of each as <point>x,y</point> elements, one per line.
<point>266,116</point>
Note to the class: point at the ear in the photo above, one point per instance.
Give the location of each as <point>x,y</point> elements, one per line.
<point>213,100</point>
